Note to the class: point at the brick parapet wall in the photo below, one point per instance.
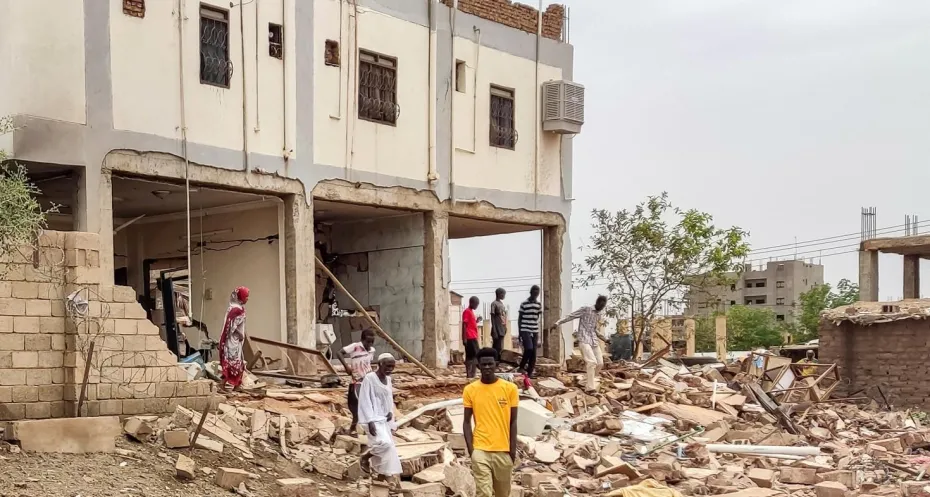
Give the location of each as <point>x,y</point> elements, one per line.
<point>516,15</point>
<point>890,355</point>
<point>44,344</point>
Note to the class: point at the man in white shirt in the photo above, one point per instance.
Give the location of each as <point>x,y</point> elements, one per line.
<point>357,358</point>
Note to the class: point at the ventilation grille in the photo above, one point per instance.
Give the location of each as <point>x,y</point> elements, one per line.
<point>563,106</point>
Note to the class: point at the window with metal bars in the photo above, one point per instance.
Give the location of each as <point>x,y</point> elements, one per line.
<point>215,66</point>
<point>502,132</point>
<point>377,88</point>
<point>275,41</point>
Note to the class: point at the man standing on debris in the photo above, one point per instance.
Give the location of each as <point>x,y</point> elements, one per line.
<point>498,321</point>
<point>809,370</point>
<point>589,319</point>
<point>356,358</point>
<point>528,325</point>
<point>492,445</point>
<point>376,413</point>
<point>470,336</point>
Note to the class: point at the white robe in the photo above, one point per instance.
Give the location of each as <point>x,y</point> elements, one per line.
<point>375,401</point>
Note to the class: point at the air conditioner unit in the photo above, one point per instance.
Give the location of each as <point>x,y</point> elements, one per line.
<point>563,107</point>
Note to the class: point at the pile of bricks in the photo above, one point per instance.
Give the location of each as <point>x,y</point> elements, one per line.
<point>135,8</point>
<point>44,344</point>
<point>516,15</point>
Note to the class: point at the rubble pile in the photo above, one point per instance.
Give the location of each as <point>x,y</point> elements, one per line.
<point>652,430</point>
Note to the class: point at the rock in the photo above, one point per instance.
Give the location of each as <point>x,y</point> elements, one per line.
<point>546,453</point>
<point>830,489</point>
<point>432,474</point>
<point>459,480</point>
<point>847,478</point>
<point>297,487</point>
<point>230,478</point>
<point>761,477</point>
<point>379,489</point>
<point>177,439</point>
<point>798,476</point>
<point>137,429</point>
<point>185,468</point>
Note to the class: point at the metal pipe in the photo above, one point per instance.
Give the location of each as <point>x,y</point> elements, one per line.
<point>286,153</point>
<point>184,153</point>
<point>258,120</point>
<point>455,7</point>
<point>763,450</point>
<point>536,105</point>
<point>245,101</point>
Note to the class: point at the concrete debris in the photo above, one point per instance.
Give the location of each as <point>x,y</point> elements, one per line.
<point>66,435</point>
<point>185,467</point>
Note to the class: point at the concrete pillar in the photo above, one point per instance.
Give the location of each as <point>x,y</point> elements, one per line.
<point>689,337</point>
<point>436,303</point>
<point>299,271</point>
<point>93,213</point>
<point>868,275</point>
<point>720,327</point>
<point>552,290</point>
<point>912,276</point>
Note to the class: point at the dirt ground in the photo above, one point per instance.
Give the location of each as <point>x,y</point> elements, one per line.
<point>149,472</point>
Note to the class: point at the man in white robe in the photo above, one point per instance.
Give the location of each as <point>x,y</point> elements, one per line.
<point>376,414</point>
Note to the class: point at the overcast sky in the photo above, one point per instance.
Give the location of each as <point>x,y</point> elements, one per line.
<point>783,118</point>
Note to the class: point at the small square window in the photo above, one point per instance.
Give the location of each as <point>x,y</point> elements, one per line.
<point>780,301</point>
<point>760,301</point>
<point>502,132</point>
<point>331,56</point>
<point>760,284</point>
<point>779,284</point>
<point>779,317</point>
<point>275,41</point>
<point>732,302</point>
<point>732,288</point>
<point>460,83</point>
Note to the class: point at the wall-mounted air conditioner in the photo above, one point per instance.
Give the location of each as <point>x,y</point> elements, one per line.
<point>563,107</point>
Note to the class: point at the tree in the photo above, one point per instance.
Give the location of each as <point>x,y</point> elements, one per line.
<point>21,215</point>
<point>820,298</point>
<point>705,334</point>
<point>650,254</point>
<point>749,328</point>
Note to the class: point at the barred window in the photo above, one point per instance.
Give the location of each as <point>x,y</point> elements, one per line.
<point>377,88</point>
<point>275,41</point>
<point>215,67</point>
<point>503,134</point>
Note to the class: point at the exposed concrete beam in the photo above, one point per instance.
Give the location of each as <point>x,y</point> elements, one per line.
<point>904,245</point>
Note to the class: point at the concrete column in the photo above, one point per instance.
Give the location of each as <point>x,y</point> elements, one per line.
<point>93,213</point>
<point>868,275</point>
<point>436,302</point>
<point>299,271</point>
<point>552,291</point>
<point>912,276</point>
<point>689,336</point>
<point>720,328</point>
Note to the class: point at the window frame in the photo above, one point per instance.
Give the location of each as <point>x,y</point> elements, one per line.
<point>272,27</point>
<point>385,62</point>
<point>780,301</point>
<point>219,15</point>
<point>502,93</point>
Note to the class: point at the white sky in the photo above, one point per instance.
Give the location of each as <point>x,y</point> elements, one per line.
<point>783,118</point>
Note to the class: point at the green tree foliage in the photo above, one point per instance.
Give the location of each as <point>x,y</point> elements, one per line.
<point>751,327</point>
<point>705,334</point>
<point>818,299</point>
<point>648,255</point>
<point>21,215</point>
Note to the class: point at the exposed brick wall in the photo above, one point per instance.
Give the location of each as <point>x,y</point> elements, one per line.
<point>890,355</point>
<point>516,15</point>
<point>135,8</point>
<point>43,346</point>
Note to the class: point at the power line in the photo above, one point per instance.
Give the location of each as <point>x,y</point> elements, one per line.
<point>830,239</point>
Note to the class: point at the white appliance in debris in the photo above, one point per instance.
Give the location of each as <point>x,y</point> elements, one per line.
<point>563,107</point>
<point>325,334</point>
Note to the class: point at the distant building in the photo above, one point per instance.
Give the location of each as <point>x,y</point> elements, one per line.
<point>777,287</point>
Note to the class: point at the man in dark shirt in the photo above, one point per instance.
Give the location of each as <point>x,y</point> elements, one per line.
<point>528,326</point>
<point>498,321</point>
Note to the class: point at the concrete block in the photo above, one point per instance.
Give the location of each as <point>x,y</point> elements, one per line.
<point>532,419</point>
<point>26,359</point>
<point>25,290</point>
<point>12,307</point>
<point>154,343</point>
<point>203,442</point>
<point>57,409</point>
<point>134,311</point>
<point>40,376</point>
<point>532,480</point>
<point>6,289</point>
<point>38,308</point>
<point>125,326</point>
<point>51,393</point>
<point>9,342</point>
<point>51,359</point>
<point>177,439</point>
<point>761,477</point>
<point>137,429</point>
<point>185,468</point>
<point>123,294</point>
<point>12,411</point>
<point>297,487</point>
<point>914,488</point>
<point>133,406</point>
<point>548,489</point>
<point>134,343</point>
<point>111,407</point>
<point>890,444</point>
<point>25,394</point>
<point>37,342</point>
<point>6,395</point>
<point>847,478</point>
<point>12,377</point>
<point>330,467</point>
<point>6,360</point>
<point>26,324</point>
<point>38,410</point>
<point>6,324</point>
<point>830,489</point>
<point>67,435</point>
<point>230,478</point>
<point>52,325</point>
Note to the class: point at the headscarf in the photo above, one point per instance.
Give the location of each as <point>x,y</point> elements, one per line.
<point>239,297</point>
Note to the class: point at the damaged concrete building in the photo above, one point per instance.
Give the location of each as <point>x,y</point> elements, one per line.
<point>265,133</point>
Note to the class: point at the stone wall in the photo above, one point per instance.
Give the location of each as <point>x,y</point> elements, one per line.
<point>891,355</point>
<point>45,337</point>
<point>516,15</point>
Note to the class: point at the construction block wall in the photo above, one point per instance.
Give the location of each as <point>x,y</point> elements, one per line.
<point>516,15</point>
<point>52,306</point>
<point>891,356</point>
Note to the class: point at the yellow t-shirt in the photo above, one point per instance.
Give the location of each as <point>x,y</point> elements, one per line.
<point>491,406</point>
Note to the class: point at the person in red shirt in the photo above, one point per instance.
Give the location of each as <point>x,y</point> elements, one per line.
<point>470,337</point>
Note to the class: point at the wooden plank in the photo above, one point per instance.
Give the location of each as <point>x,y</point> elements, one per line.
<point>291,346</point>
<point>371,321</point>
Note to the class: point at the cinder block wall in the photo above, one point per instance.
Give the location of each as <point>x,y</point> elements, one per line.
<point>45,339</point>
<point>892,356</point>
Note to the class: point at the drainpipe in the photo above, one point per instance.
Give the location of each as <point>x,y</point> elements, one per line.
<point>474,90</point>
<point>258,120</point>
<point>537,104</point>
<point>455,7</point>
<point>286,153</point>
<point>431,176</point>
<point>187,163</point>
<point>245,102</point>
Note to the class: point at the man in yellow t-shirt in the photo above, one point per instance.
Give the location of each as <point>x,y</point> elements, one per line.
<point>492,444</point>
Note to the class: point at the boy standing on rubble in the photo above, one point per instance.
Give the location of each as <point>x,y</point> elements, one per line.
<point>356,358</point>
<point>492,445</point>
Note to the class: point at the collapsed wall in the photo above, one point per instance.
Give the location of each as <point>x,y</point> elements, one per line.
<point>52,309</point>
